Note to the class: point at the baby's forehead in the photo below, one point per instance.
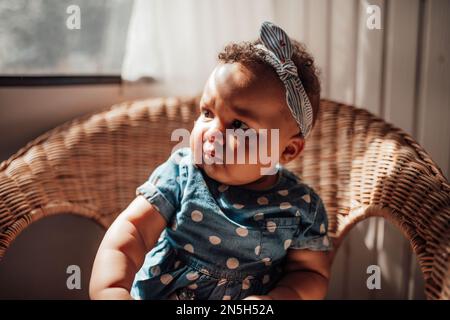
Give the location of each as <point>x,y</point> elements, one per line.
<point>251,86</point>
<point>248,76</point>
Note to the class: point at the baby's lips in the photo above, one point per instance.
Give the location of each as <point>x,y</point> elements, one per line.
<point>207,148</point>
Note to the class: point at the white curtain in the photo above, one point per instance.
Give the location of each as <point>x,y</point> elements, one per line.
<point>177,41</point>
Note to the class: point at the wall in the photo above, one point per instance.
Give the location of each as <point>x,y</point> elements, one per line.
<point>401,73</point>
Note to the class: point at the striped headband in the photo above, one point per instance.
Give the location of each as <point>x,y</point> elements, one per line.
<point>277,51</point>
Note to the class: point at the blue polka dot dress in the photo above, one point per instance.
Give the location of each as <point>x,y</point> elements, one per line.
<point>221,241</point>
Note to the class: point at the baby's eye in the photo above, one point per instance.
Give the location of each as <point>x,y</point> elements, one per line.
<point>238,124</point>
<point>206,113</point>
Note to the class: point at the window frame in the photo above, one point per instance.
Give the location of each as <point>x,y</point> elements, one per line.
<point>57,80</point>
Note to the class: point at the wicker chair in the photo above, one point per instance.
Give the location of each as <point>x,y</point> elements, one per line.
<point>360,165</point>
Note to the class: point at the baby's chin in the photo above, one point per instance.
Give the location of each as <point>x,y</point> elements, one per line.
<point>229,174</point>
<point>214,172</point>
<point>226,175</point>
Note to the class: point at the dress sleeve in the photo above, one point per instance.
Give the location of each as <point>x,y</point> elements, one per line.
<point>162,189</point>
<point>312,229</point>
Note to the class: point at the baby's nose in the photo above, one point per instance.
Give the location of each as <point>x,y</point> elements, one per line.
<point>214,137</point>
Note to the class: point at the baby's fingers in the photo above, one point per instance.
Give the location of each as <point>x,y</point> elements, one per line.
<point>254,297</point>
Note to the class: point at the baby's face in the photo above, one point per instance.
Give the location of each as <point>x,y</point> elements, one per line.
<point>239,97</point>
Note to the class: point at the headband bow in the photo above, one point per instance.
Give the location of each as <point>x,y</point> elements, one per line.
<point>277,51</point>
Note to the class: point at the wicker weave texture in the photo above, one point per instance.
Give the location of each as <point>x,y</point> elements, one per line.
<point>360,165</point>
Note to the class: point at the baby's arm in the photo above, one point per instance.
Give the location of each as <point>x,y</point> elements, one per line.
<point>307,274</point>
<point>122,251</point>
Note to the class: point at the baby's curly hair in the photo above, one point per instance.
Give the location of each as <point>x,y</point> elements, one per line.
<point>246,53</point>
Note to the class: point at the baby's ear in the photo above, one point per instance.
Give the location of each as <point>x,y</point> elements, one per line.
<point>293,149</point>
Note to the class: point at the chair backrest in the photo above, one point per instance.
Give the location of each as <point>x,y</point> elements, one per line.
<point>360,165</point>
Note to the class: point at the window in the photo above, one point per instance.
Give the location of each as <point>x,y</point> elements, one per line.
<point>38,38</point>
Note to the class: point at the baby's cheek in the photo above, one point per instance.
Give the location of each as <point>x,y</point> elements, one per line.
<point>262,150</point>
<point>196,136</point>
<point>253,149</point>
<point>270,142</point>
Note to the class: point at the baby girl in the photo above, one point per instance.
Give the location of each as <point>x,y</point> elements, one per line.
<point>220,229</point>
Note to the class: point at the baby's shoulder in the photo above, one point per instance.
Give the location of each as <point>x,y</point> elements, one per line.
<point>180,156</point>
<point>297,189</point>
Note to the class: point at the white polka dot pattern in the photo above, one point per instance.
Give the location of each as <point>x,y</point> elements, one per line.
<point>215,240</point>
<point>262,201</point>
<point>166,279</point>
<point>287,244</point>
<point>322,228</point>
<point>222,188</point>
<point>155,270</point>
<point>232,263</point>
<point>285,205</point>
<point>197,216</point>
<point>243,232</point>
<point>191,276</point>
<point>258,216</point>
<point>271,226</point>
<point>307,198</point>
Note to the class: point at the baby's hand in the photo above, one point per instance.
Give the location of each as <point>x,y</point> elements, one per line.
<point>258,298</point>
